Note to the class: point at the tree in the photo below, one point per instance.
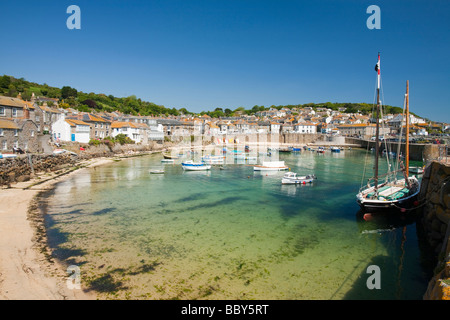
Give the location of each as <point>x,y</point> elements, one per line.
<point>5,81</point>
<point>67,92</point>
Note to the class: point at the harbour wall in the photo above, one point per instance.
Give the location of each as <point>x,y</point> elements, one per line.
<point>417,151</point>
<point>435,200</point>
<point>23,167</point>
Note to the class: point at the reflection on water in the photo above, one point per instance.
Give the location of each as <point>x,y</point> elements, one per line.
<point>231,234</point>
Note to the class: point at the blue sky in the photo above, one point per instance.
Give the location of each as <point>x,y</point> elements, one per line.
<point>203,54</point>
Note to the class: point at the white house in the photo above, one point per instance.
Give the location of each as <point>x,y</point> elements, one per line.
<point>306,127</point>
<point>275,127</point>
<point>70,130</point>
<point>130,129</point>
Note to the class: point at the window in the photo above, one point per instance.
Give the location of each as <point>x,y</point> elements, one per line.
<point>16,132</point>
<point>4,145</point>
<point>14,112</point>
<point>32,133</point>
<point>1,132</point>
<point>2,111</point>
<point>16,144</point>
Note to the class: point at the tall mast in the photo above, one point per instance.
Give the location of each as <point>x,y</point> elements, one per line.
<point>407,129</point>
<point>377,133</point>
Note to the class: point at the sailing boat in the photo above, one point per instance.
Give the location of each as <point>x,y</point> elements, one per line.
<point>393,193</point>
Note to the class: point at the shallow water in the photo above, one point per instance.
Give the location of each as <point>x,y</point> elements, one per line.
<point>231,234</point>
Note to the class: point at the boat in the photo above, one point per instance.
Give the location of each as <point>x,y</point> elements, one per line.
<point>168,160</point>
<point>296,149</point>
<point>335,149</point>
<point>7,155</point>
<point>292,178</point>
<point>320,150</point>
<point>416,170</point>
<point>156,171</point>
<point>169,156</point>
<point>286,150</point>
<point>271,166</point>
<point>195,166</point>
<point>394,194</point>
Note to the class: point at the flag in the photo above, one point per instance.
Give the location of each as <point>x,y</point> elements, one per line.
<point>81,148</point>
<point>377,66</point>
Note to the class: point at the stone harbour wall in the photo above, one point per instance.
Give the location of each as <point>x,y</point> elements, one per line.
<point>25,166</point>
<point>435,196</point>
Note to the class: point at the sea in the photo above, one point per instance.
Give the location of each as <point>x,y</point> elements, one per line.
<point>233,233</point>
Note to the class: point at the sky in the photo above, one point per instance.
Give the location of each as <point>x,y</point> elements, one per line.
<point>205,54</point>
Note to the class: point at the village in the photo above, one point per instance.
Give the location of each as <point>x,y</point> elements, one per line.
<point>30,126</point>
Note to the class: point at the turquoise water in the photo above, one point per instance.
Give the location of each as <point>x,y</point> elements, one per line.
<point>231,234</point>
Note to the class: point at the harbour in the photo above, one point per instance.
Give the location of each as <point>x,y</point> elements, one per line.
<point>231,234</point>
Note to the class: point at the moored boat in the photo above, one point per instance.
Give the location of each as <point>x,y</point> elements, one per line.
<point>416,170</point>
<point>169,156</point>
<point>292,178</point>
<point>195,166</point>
<point>156,171</point>
<point>394,193</point>
<point>335,149</point>
<point>271,166</point>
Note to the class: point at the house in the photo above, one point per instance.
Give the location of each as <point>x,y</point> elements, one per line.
<point>275,127</point>
<point>361,130</point>
<point>15,134</point>
<point>306,127</point>
<point>71,130</point>
<point>100,128</point>
<point>45,117</point>
<point>15,108</point>
<point>135,131</point>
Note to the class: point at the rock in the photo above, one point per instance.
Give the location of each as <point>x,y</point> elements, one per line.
<point>443,215</point>
<point>23,178</point>
<point>436,225</point>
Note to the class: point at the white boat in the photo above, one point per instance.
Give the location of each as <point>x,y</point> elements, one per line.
<point>271,166</point>
<point>195,166</point>
<point>156,171</point>
<point>169,156</point>
<point>394,193</point>
<point>7,155</point>
<point>292,178</point>
<point>416,170</point>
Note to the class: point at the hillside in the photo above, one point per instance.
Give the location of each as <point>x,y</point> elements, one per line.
<point>71,97</point>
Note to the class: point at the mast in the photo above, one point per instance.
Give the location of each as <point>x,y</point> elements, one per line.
<point>407,129</point>
<point>377,133</point>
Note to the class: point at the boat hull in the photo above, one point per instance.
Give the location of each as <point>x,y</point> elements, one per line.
<point>296,181</point>
<point>195,166</point>
<point>407,202</point>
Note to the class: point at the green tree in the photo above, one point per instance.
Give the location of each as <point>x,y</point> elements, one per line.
<point>67,92</point>
<point>5,81</point>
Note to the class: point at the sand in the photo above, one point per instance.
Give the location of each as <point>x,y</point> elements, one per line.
<point>25,272</point>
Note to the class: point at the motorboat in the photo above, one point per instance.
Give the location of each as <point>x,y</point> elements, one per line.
<point>156,171</point>
<point>292,178</point>
<point>271,166</point>
<point>335,149</point>
<point>169,156</point>
<point>195,166</point>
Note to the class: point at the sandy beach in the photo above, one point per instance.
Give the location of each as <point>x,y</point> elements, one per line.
<point>25,272</point>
